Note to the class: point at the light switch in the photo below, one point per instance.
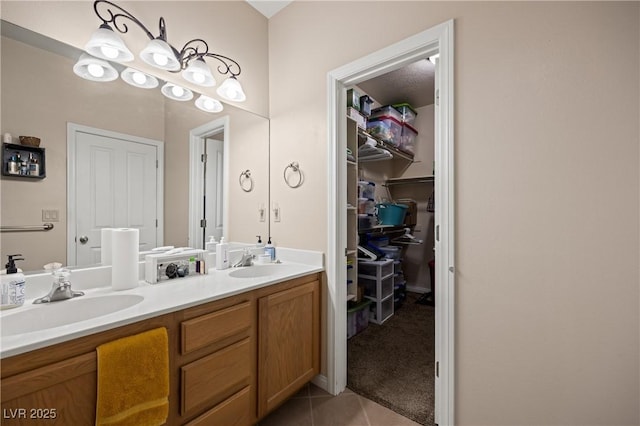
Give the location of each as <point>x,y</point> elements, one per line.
<point>276,213</point>
<point>50,215</point>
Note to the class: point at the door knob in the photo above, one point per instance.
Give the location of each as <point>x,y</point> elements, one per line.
<point>84,239</point>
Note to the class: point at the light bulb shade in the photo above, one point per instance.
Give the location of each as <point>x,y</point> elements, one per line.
<point>231,90</point>
<point>139,79</point>
<point>207,104</point>
<point>199,73</point>
<point>94,69</point>
<point>106,44</point>
<point>177,93</point>
<point>160,54</point>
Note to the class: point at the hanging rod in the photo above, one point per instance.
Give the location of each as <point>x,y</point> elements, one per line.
<point>18,228</point>
<point>409,181</point>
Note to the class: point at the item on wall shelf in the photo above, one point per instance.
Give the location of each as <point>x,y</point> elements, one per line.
<point>29,140</point>
<point>353,99</point>
<point>365,105</point>
<point>295,167</point>
<point>407,112</point>
<point>7,138</point>
<point>244,177</point>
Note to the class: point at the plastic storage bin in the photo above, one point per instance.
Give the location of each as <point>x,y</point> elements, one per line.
<point>407,114</point>
<point>391,214</point>
<point>385,128</point>
<point>376,268</point>
<point>365,105</point>
<point>353,99</point>
<point>358,318</point>
<point>391,252</point>
<point>408,138</point>
<point>365,221</point>
<point>366,206</point>
<point>387,111</point>
<point>377,288</point>
<point>366,189</point>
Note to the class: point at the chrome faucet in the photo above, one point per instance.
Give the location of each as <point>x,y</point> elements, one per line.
<point>60,289</point>
<point>247,260</point>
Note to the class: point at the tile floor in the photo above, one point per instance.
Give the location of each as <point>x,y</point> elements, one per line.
<point>313,406</point>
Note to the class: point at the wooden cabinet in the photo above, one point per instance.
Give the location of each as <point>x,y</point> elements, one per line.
<point>59,393</point>
<point>288,350</point>
<point>222,355</point>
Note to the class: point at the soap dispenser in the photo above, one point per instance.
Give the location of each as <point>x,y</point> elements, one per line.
<point>259,244</point>
<point>12,291</point>
<point>270,250</point>
<point>211,244</point>
<point>222,254</point>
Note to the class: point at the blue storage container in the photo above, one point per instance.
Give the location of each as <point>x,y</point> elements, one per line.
<point>391,214</point>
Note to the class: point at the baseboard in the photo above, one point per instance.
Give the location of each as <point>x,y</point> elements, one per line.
<point>420,290</point>
<point>322,382</point>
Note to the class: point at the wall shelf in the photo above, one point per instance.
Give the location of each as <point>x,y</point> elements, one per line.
<point>23,153</point>
<point>395,151</point>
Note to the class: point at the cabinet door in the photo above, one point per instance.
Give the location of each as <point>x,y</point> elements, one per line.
<point>289,333</point>
<point>62,393</point>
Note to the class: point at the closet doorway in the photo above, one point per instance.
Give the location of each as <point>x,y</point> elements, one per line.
<point>437,40</point>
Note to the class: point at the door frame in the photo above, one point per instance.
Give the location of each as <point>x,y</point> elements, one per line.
<point>438,39</point>
<point>72,130</point>
<point>196,176</point>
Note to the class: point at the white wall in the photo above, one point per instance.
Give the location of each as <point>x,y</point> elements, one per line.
<point>547,190</point>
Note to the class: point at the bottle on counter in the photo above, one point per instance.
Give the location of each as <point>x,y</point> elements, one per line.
<point>222,254</point>
<point>270,249</point>
<point>12,290</point>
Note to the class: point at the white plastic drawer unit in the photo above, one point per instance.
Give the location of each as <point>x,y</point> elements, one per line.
<point>376,269</point>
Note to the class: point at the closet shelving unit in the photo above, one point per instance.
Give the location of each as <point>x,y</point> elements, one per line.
<point>351,255</point>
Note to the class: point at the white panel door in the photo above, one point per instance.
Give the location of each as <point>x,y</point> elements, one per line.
<point>116,187</point>
<point>213,192</point>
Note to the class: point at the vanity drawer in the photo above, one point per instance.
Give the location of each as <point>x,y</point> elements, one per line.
<point>210,328</point>
<point>234,411</point>
<point>214,378</point>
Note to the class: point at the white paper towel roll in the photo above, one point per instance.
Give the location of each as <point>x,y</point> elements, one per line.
<point>105,246</point>
<point>124,258</point>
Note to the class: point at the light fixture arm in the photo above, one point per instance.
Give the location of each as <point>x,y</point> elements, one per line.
<point>121,26</point>
<point>192,50</point>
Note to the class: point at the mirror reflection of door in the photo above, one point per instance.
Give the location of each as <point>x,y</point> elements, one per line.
<point>116,186</point>
<point>213,180</point>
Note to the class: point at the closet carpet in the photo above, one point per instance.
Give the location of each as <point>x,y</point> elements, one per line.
<point>393,363</point>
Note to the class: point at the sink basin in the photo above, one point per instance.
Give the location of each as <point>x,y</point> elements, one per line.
<point>56,314</point>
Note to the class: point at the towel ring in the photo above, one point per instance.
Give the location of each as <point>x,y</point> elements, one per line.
<point>296,169</point>
<point>244,177</point>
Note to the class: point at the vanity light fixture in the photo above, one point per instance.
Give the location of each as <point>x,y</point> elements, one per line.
<point>139,79</point>
<point>190,59</point>
<point>175,92</point>
<point>94,69</point>
<point>207,104</point>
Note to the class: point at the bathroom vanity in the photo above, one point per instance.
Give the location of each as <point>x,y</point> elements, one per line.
<point>233,357</point>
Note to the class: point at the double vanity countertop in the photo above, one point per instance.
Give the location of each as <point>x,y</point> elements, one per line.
<point>102,308</point>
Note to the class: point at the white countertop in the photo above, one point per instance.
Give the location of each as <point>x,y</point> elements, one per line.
<point>162,298</point>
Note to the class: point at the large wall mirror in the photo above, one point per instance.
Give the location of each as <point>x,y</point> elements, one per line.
<point>42,97</point>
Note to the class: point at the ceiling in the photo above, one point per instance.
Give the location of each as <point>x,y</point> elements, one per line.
<point>268,7</point>
<point>413,84</point>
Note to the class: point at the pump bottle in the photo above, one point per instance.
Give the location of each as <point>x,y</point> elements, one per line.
<point>12,290</point>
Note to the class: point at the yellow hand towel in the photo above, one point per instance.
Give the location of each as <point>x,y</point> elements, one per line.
<point>133,380</point>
